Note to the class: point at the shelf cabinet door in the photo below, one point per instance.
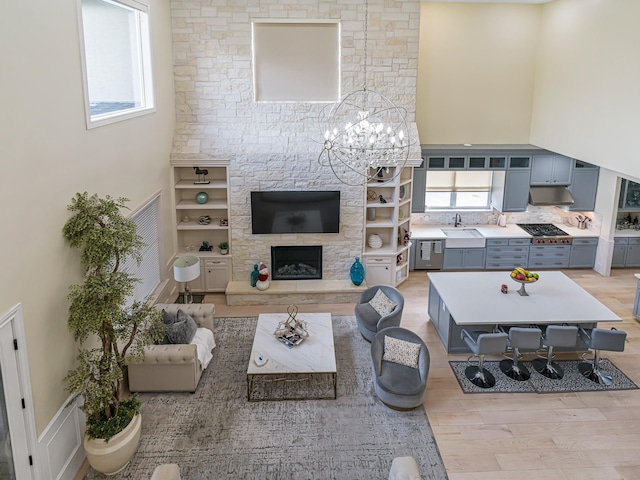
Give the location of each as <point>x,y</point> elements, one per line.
<point>216,275</point>
<point>378,271</point>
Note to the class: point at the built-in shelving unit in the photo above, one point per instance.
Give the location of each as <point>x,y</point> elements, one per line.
<point>388,264</point>
<point>191,232</point>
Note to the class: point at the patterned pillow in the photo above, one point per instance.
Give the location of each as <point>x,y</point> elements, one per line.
<point>382,304</point>
<point>401,351</point>
<point>183,329</point>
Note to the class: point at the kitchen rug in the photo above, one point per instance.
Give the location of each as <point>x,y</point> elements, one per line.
<point>573,381</point>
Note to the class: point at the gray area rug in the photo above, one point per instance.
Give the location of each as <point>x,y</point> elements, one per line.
<point>216,434</point>
<point>572,381</point>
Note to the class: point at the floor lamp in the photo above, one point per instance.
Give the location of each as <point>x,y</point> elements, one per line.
<point>186,269</point>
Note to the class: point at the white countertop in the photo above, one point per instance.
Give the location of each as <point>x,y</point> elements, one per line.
<point>474,298</point>
<point>434,232</point>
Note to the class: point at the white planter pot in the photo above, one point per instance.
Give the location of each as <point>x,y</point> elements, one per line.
<point>113,456</point>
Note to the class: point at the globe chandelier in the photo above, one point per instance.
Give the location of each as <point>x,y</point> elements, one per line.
<point>365,134</point>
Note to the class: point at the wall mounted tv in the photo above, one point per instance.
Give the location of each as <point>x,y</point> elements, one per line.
<point>295,212</point>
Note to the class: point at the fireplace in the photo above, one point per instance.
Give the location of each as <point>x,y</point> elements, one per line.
<point>296,263</point>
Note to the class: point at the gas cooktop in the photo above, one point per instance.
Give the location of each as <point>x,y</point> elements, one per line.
<point>545,233</point>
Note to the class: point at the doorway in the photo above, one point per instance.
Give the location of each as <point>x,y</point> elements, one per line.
<point>15,454</point>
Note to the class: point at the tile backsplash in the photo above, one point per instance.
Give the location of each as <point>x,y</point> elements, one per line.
<point>532,215</point>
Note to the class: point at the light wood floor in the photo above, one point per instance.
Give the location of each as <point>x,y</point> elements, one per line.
<point>585,436</point>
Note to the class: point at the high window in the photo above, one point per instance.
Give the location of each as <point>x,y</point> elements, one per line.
<point>296,61</point>
<point>457,189</point>
<point>116,57</point>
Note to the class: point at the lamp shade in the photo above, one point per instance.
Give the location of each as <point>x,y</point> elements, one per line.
<point>186,269</point>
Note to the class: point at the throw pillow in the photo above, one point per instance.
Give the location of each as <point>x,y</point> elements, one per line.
<point>401,351</point>
<point>183,330</point>
<point>169,318</point>
<point>382,304</point>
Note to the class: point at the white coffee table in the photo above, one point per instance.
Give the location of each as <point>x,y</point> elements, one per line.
<point>312,360</point>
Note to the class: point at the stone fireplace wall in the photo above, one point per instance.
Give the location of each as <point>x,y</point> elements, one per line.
<point>274,146</point>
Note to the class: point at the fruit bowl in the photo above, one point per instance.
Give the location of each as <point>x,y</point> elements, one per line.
<point>527,277</point>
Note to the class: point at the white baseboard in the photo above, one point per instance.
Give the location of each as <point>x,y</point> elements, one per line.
<point>61,452</point>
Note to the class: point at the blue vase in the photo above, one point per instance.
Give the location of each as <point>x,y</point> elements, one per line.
<point>357,272</point>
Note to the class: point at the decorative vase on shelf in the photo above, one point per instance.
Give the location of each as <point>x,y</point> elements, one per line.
<point>357,272</point>
<point>202,197</point>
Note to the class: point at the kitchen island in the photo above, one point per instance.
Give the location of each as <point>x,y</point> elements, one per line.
<point>473,300</point>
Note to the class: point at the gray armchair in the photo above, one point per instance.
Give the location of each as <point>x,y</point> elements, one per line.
<point>398,386</point>
<point>369,321</point>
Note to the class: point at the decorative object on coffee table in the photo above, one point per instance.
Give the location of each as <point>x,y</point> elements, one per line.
<point>202,197</point>
<point>357,272</point>
<point>292,331</point>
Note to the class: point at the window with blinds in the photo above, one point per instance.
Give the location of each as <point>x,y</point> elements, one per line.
<point>148,271</point>
<point>458,189</point>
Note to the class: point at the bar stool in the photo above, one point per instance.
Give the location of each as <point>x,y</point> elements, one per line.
<point>598,339</point>
<point>481,344</point>
<point>520,339</point>
<point>555,336</point>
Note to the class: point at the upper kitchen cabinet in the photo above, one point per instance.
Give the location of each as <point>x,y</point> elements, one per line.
<point>584,186</point>
<point>549,170</point>
<point>629,196</point>
<point>447,162</point>
<point>510,190</point>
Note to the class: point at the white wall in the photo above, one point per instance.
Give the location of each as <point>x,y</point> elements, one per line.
<point>47,155</point>
<point>476,72</point>
<point>275,146</point>
<point>586,94</point>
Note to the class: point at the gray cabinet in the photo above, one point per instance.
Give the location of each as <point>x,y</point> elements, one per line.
<point>464,258</point>
<point>551,170</point>
<point>583,252</point>
<point>549,256</point>
<point>510,190</point>
<point>619,251</point>
<point>419,187</point>
<point>636,306</point>
<point>584,186</point>
<point>629,196</point>
<point>506,254</point>
<point>626,252</point>
<point>633,253</point>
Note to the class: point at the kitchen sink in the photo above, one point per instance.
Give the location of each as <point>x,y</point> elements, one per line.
<point>463,238</point>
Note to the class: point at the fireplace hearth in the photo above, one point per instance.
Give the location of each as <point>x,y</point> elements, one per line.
<point>296,262</point>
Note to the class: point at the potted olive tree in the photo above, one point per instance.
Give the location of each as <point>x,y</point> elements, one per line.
<point>107,328</point>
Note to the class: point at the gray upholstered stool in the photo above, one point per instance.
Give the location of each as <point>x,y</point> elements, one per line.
<point>520,339</point>
<point>555,336</point>
<point>599,339</point>
<point>481,344</point>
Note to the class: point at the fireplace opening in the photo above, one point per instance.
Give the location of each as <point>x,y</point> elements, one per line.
<point>296,263</point>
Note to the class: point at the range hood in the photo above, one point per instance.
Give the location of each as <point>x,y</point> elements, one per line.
<point>550,196</point>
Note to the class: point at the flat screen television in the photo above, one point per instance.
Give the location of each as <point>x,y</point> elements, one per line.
<point>295,212</point>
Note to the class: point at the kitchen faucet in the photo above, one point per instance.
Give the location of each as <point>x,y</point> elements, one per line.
<point>457,220</point>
